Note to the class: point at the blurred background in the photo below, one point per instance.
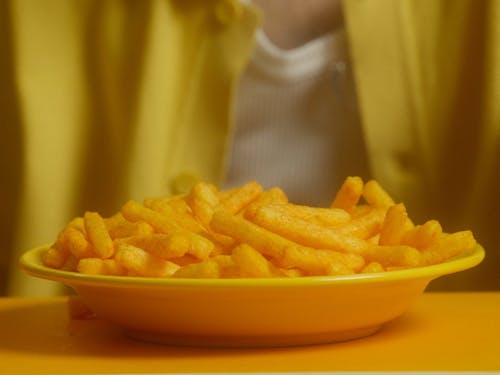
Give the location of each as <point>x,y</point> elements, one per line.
<point>105,101</point>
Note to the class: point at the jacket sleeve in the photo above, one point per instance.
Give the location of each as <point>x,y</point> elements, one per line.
<point>107,101</point>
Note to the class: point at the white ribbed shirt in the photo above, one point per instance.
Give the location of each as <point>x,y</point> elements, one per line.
<point>296,123</point>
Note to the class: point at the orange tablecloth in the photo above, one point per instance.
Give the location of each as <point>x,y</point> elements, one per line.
<point>442,331</point>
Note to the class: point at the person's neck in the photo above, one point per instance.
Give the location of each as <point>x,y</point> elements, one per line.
<point>292,23</point>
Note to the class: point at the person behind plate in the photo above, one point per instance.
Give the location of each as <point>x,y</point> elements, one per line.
<point>105,101</point>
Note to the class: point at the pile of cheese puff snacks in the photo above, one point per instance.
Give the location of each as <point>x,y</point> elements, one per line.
<point>251,232</point>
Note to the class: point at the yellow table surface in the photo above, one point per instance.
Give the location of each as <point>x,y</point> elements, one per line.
<point>441,332</point>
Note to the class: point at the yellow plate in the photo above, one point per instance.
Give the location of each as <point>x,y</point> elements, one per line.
<point>251,312</point>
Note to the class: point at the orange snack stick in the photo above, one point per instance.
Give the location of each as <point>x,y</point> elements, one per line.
<point>365,225</point>
<point>77,244</point>
<point>447,246</point>
<point>224,194</point>
<point>118,227</point>
<point>167,205</point>
<point>222,244</point>
<point>111,267</point>
<point>200,246</point>
<point>272,196</point>
<point>224,261</point>
<point>179,204</point>
<point>360,210</point>
<point>248,232</point>
<point>58,253</point>
<point>348,195</point>
<point>227,268</point>
<point>291,272</point>
<point>372,267</point>
<point>240,197</point>
<point>184,260</point>
<point>376,196</point>
<point>188,222</point>
<point>250,262</point>
<point>114,220</point>
<point>178,211</point>
<point>70,264</point>
<point>208,269</point>
<point>164,246</point>
<point>307,233</point>
<point>325,216</point>
<point>134,212</point>
<point>98,235</point>
<point>141,263</point>
<point>374,239</point>
<point>55,258</point>
<point>98,266</point>
<point>77,223</point>
<point>423,236</point>
<point>320,262</point>
<point>173,245</point>
<point>335,268</point>
<point>393,256</point>
<point>203,199</point>
<point>244,231</point>
<point>394,226</point>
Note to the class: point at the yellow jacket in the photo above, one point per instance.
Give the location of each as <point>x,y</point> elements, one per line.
<point>103,101</point>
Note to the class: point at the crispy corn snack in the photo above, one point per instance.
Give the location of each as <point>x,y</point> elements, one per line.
<point>376,196</point>
<point>328,217</point>
<point>244,231</point>
<point>365,225</point>
<point>268,197</point>
<point>203,200</point>
<point>142,263</point>
<point>119,227</point>
<point>240,197</point>
<point>98,235</point>
<point>423,236</point>
<point>250,232</point>
<point>250,262</point>
<point>134,212</point>
<point>208,269</point>
<point>447,246</point>
<point>393,228</point>
<point>55,258</point>
<point>98,266</point>
<point>320,262</point>
<point>373,267</point>
<point>349,194</point>
<point>164,246</point>
<point>77,243</point>
<point>307,233</point>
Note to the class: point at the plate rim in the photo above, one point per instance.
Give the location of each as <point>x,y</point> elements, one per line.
<point>31,263</point>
